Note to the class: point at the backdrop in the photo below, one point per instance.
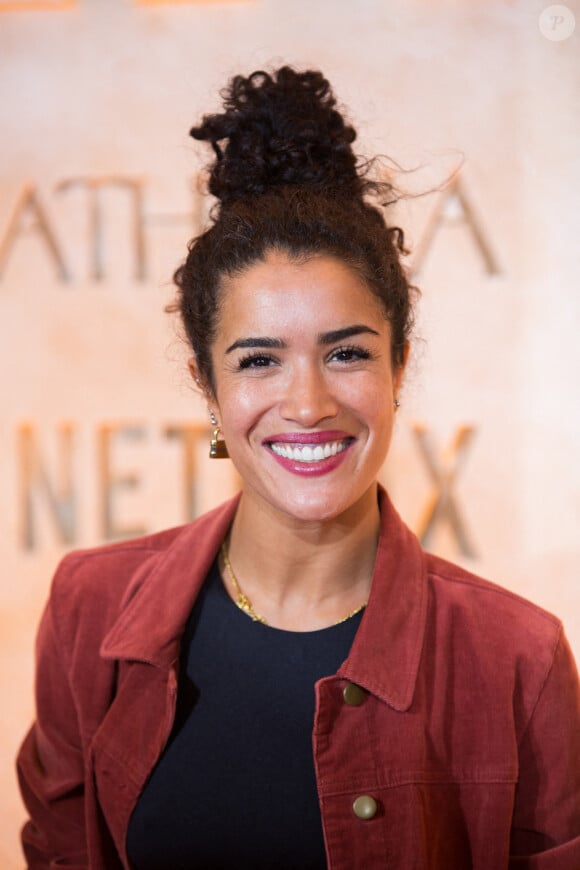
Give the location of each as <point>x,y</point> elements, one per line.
<point>101,434</point>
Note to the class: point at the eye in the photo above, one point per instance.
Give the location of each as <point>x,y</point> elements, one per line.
<point>349,354</point>
<point>256,361</point>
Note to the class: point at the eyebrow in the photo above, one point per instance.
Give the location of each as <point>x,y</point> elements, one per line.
<point>324,338</point>
<point>347,332</point>
<point>256,342</point>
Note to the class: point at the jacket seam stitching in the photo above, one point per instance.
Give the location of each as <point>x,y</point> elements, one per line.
<point>544,682</point>
<point>504,593</point>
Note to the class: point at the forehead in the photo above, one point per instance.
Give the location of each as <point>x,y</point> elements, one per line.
<point>315,294</point>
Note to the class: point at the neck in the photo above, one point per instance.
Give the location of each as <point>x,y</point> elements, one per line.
<point>304,575</point>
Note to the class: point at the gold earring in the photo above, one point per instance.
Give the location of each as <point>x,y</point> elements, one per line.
<point>217,446</point>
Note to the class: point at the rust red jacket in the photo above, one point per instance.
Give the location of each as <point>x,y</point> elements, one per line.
<point>464,744</point>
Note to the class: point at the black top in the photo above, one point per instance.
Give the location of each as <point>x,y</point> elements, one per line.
<point>235,787</point>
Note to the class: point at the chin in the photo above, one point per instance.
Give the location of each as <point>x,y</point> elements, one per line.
<point>325,508</point>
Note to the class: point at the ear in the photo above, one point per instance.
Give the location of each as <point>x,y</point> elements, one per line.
<point>196,375</point>
<point>399,372</point>
<point>194,370</point>
<point>200,382</point>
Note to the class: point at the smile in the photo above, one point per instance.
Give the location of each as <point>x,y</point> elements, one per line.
<point>309,452</point>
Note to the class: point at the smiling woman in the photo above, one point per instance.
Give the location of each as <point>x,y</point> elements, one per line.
<point>290,681</point>
<point>306,405</point>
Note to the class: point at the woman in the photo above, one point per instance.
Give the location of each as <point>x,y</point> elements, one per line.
<point>366,704</point>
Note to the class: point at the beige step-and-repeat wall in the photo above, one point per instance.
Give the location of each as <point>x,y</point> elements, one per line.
<point>101,434</point>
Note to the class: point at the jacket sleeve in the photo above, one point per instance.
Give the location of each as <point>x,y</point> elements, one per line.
<point>546,820</point>
<point>50,762</point>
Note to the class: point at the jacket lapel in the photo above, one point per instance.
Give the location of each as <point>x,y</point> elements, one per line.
<point>159,599</point>
<point>144,643</point>
<point>385,655</point>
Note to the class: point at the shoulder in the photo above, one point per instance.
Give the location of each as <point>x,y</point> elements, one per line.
<point>498,631</point>
<point>462,591</point>
<point>100,580</point>
<point>108,569</point>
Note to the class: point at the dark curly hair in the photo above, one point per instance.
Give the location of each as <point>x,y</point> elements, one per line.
<point>287,179</point>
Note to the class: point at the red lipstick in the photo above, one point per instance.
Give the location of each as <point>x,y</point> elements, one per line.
<point>309,466</point>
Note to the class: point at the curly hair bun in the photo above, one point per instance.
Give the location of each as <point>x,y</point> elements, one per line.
<point>279,129</point>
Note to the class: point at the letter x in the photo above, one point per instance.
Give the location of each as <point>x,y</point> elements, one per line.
<point>442,503</point>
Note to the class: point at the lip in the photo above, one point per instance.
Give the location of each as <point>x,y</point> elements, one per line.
<point>310,469</point>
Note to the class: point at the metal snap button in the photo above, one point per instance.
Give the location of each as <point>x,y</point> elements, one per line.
<point>365,807</point>
<point>353,695</point>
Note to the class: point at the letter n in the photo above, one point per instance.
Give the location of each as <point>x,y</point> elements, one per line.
<point>39,487</point>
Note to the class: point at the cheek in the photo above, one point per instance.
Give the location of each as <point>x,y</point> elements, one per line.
<point>370,397</point>
<point>242,405</point>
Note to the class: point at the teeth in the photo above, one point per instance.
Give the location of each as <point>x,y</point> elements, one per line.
<point>309,452</point>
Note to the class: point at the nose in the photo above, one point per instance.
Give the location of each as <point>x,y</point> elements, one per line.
<point>308,398</point>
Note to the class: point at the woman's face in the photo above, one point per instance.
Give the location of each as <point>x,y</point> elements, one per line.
<point>304,384</point>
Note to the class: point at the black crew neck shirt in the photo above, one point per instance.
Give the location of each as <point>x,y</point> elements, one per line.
<point>235,786</point>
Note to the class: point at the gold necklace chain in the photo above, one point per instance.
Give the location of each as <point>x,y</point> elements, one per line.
<point>244,603</point>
